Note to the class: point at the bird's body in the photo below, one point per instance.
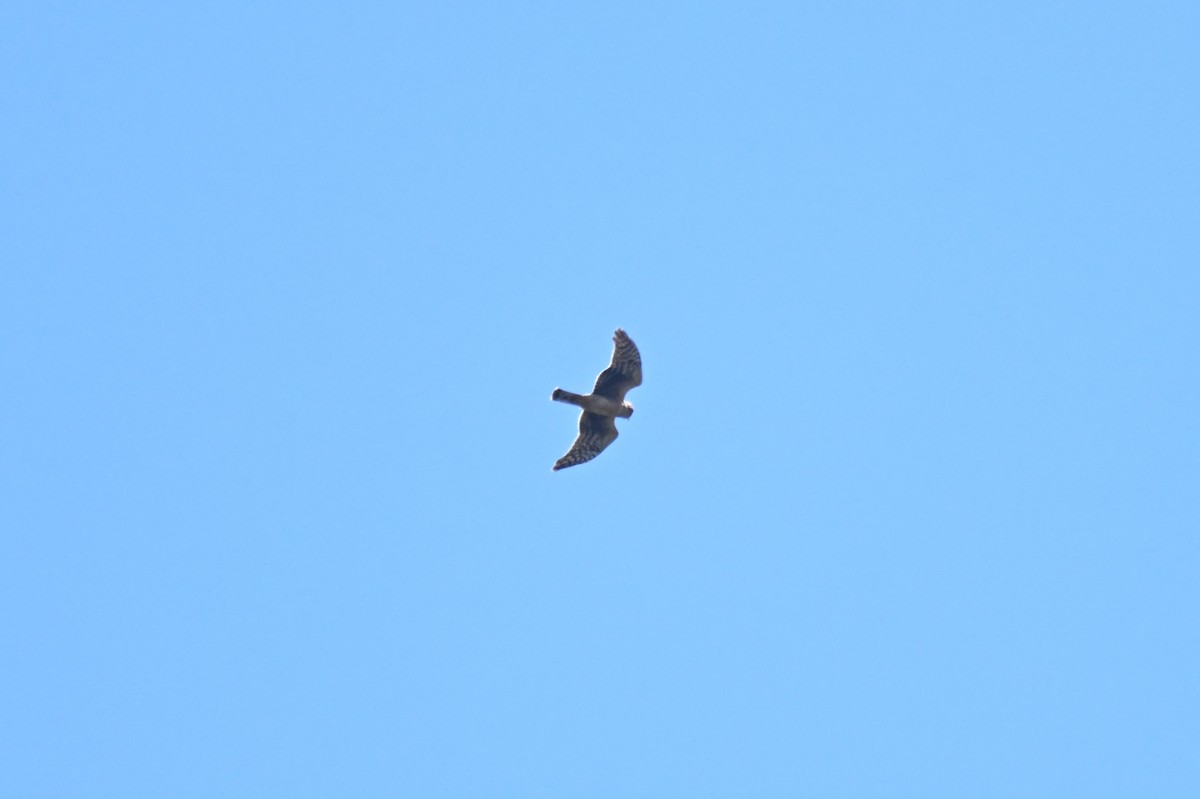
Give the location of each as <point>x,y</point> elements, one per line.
<point>594,403</point>
<point>606,402</point>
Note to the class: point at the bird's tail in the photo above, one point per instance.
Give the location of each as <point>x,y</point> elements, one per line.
<point>566,396</point>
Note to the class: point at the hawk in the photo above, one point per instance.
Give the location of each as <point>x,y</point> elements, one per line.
<point>597,428</point>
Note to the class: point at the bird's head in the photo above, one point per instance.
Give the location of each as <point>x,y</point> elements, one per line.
<point>627,410</point>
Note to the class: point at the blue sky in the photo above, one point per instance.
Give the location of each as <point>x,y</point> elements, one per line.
<point>910,503</point>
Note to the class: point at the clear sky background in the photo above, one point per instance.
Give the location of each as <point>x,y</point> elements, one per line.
<point>910,506</point>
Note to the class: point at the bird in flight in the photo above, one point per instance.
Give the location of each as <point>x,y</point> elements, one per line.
<point>606,402</point>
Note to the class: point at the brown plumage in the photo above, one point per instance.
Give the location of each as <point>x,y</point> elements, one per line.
<point>606,402</point>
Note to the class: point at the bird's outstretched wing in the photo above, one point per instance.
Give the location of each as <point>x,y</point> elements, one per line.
<point>595,433</point>
<point>625,371</point>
